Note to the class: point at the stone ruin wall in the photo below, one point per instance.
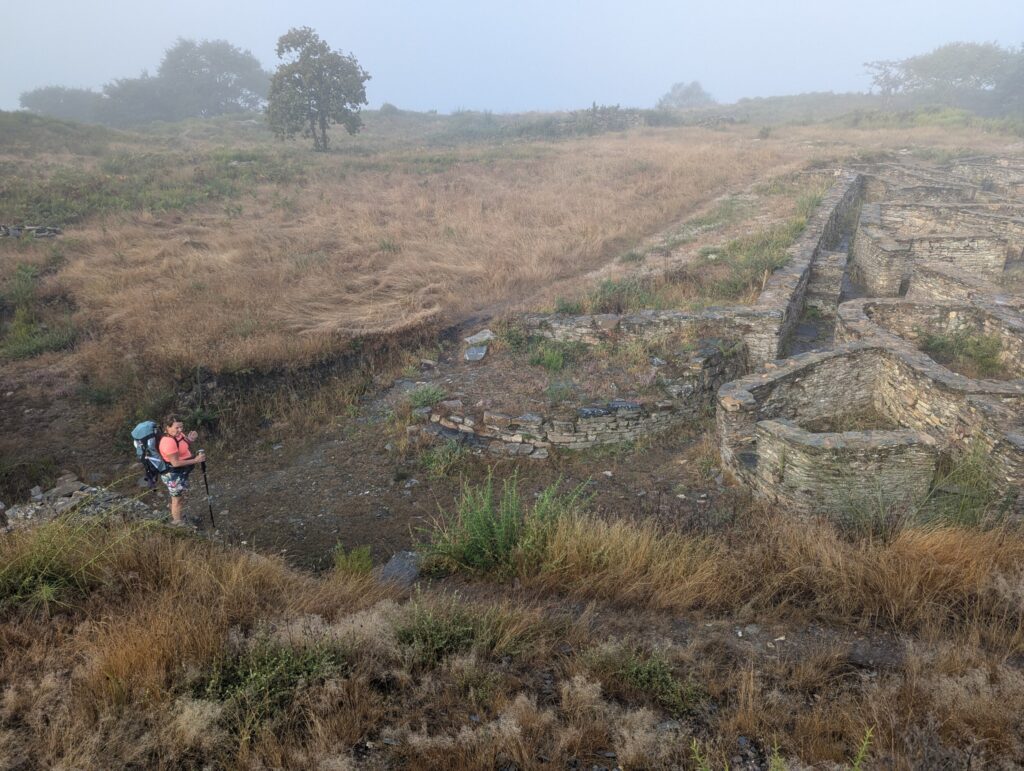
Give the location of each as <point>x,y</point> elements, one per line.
<point>910,321</point>
<point>730,342</point>
<point>932,410</point>
<point>761,421</point>
<point>882,260</point>
<point>944,258</point>
<point>532,435</point>
<point>941,283</point>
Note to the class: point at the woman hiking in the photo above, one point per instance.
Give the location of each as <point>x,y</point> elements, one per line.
<point>175,449</point>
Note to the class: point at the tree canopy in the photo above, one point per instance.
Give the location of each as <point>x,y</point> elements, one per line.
<point>212,77</point>
<point>685,96</point>
<point>983,77</point>
<point>314,88</point>
<point>195,80</point>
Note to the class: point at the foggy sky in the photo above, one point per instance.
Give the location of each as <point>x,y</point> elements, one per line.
<point>512,55</point>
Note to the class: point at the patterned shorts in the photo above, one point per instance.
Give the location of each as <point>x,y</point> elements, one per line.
<point>176,481</point>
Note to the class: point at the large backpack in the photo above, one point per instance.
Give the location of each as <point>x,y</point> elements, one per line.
<point>146,438</point>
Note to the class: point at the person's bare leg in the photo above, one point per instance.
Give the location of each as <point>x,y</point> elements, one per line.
<point>176,509</point>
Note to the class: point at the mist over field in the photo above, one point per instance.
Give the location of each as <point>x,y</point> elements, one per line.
<point>530,55</point>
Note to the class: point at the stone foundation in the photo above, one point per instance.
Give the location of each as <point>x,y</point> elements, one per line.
<point>905,386</point>
<point>686,397</point>
<point>882,260</point>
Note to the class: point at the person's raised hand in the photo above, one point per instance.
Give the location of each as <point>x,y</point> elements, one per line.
<point>192,436</point>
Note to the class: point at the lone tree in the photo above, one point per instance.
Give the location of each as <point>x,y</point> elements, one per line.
<point>686,96</point>
<point>314,88</point>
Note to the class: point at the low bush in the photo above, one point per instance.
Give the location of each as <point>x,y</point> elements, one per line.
<point>630,672</point>
<point>261,681</point>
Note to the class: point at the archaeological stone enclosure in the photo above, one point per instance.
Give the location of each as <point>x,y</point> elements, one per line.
<point>835,384</point>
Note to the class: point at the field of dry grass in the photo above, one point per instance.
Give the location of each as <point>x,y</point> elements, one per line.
<point>261,257</point>
<point>607,643</point>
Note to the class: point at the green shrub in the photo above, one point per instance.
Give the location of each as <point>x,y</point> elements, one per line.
<point>974,355</point>
<point>260,682</point>
<point>433,631</point>
<point>630,672</point>
<point>514,337</point>
<point>426,395</point>
<point>357,561</point>
<point>491,533</point>
<point>621,296</point>
<point>568,307</point>
<point>551,358</point>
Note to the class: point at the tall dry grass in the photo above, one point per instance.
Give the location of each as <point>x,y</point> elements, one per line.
<point>179,653</point>
<point>358,251</point>
<point>922,577</point>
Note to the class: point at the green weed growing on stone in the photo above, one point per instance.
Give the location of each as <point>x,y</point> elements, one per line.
<point>966,352</point>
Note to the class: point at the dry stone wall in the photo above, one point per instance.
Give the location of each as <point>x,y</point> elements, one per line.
<point>883,256</point>
<point>687,396</point>
<point>944,242</point>
<point>943,283</point>
<point>731,341</point>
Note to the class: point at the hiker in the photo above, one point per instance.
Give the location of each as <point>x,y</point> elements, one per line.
<point>176,451</point>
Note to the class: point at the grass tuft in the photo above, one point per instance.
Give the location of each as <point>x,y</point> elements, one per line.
<point>426,395</point>
<point>490,532</point>
<point>356,561</point>
<point>970,354</point>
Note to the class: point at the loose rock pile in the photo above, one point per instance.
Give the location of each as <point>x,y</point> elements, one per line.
<point>36,231</point>
<point>72,496</point>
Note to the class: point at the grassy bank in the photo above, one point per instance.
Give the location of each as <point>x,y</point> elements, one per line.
<point>570,639</point>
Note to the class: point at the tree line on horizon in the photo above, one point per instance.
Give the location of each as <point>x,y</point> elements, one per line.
<point>315,87</point>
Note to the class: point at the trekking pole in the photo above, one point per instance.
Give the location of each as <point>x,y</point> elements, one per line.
<point>208,503</point>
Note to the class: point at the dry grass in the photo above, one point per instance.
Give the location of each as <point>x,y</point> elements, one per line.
<point>176,652</point>
<point>295,268</point>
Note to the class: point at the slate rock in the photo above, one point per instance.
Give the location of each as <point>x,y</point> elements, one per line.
<point>402,569</point>
<point>476,352</point>
<point>481,337</point>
